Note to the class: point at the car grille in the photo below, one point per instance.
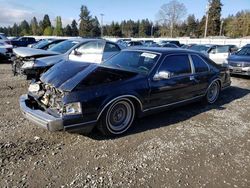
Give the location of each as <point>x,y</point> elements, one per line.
<point>239,64</point>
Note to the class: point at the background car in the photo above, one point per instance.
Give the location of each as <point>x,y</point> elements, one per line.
<point>239,62</point>
<point>81,50</point>
<point>221,52</point>
<point>169,45</point>
<point>46,44</point>
<point>176,42</point>
<point>5,51</point>
<point>23,41</point>
<point>134,43</point>
<point>135,82</point>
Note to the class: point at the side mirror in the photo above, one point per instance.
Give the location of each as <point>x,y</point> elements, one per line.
<point>76,52</point>
<point>162,75</point>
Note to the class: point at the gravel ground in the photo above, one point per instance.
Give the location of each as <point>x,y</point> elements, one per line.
<point>191,146</point>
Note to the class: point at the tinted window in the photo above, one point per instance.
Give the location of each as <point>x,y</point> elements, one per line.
<point>199,64</point>
<point>176,65</point>
<point>244,51</point>
<point>109,47</point>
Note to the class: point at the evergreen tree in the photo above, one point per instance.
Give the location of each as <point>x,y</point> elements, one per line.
<point>115,30</point>
<point>214,15</point>
<point>191,24</point>
<point>48,31</point>
<point>58,31</point>
<point>67,31</point>
<point>25,28</point>
<point>74,28</point>
<point>15,30</point>
<point>46,22</point>
<point>34,26</point>
<point>96,30</point>
<point>85,26</point>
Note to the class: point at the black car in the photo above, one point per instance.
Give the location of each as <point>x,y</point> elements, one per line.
<point>23,41</point>
<point>135,82</point>
<point>239,62</point>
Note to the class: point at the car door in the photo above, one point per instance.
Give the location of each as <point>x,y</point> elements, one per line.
<point>110,49</point>
<point>178,87</point>
<point>201,74</point>
<point>91,51</point>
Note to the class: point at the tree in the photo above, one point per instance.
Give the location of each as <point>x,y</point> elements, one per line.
<point>67,31</point>
<point>58,31</point>
<point>15,30</point>
<point>46,22</point>
<point>48,31</point>
<point>144,28</point>
<point>85,22</point>
<point>171,13</point>
<point>191,26</point>
<point>114,30</point>
<point>34,26</point>
<point>96,30</point>
<point>25,28</point>
<point>74,28</point>
<point>214,21</point>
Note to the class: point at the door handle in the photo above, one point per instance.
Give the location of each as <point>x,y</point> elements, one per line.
<point>192,78</point>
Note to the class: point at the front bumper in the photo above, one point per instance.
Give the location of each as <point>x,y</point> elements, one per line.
<point>39,117</point>
<point>51,123</point>
<point>240,70</point>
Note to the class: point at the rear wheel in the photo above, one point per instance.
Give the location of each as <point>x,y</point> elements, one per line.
<point>213,92</point>
<point>117,118</point>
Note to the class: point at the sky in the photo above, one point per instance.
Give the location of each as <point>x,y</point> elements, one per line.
<point>12,11</point>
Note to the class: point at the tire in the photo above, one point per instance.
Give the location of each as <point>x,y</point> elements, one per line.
<point>213,92</point>
<point>117,118</point>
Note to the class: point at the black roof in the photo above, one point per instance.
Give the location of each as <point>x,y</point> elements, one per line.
<point>160,50</point>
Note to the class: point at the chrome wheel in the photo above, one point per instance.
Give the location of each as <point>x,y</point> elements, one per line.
<point>213,92</point>
<point>120,116</point>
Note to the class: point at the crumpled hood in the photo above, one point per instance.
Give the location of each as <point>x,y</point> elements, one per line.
<point>49,61</point>
<point>238,58</point>
<point>66,75</point>
<point>32,52</point>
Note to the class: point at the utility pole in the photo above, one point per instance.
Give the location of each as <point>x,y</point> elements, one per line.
<point>102,24</point>
<point>207,14</point>
<point>152,30</point>
<point>221,27</point>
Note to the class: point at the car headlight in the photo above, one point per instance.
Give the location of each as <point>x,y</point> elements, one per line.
<point>72,108</point>
<point>28,64</point>
<point>246,69</point>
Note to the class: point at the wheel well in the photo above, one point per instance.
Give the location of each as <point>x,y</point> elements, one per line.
<point>133,99</point>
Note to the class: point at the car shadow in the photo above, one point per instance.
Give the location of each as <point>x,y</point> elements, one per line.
<point>176,115</point>
<point>241,76</point>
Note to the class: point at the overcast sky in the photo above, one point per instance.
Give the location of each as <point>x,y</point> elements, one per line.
<point>12,11</point>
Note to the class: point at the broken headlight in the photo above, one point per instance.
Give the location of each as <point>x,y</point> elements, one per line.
<point>28,64</point>
<point>72,108</point>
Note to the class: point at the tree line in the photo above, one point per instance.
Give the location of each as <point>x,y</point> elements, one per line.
<point>169,23</point>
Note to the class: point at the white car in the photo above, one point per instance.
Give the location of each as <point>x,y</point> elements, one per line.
<point>5,48</point>
<point>220,53</point>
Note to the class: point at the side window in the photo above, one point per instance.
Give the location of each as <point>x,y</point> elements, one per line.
<point>199,64</point>
<point>176,65</point>
<point>109,47</point>
<point>91,48</point>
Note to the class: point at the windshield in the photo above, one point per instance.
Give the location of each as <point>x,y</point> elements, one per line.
<point>63,47</point>
<point>41,44</point>
<point>135,61</point>
<point>244,51</point>
<point>199,48</point>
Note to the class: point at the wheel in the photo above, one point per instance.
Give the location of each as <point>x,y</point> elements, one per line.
<point>213,92</point>
<point>117,118</point>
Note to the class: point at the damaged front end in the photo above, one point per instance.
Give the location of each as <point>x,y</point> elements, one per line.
<point>43,105</point>
<point>19,64</point>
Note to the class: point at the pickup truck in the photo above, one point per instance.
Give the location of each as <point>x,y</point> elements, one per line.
<point>23,41</point>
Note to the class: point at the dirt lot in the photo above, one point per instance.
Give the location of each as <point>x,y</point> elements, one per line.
<point>192,146</point>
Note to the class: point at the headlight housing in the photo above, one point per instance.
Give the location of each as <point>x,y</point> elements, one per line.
<point>72,108</point>
<point>28,64</point>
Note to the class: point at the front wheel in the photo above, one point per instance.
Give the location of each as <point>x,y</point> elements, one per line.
<point>213,92</point>
<point>117,118</point>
